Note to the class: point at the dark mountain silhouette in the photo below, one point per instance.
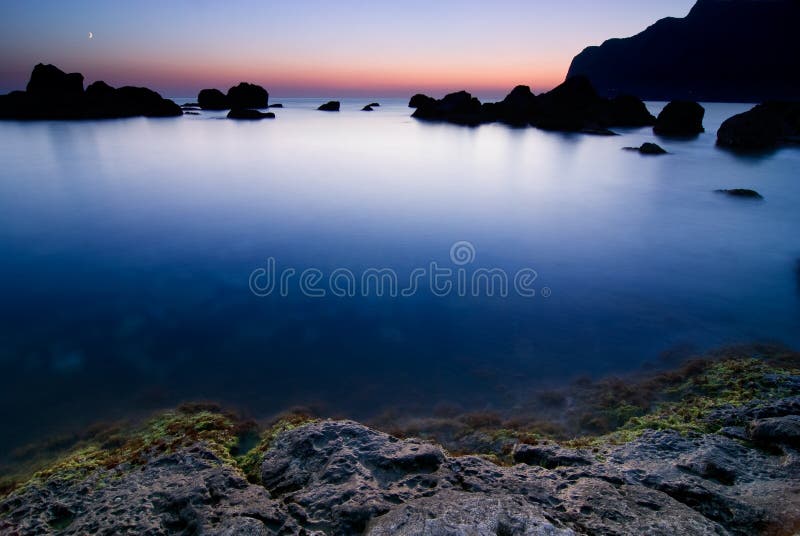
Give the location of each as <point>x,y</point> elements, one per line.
<point>724,50</point>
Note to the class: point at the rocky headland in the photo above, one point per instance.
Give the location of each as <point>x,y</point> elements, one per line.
<point>710,447</point>
<point>723,50</point>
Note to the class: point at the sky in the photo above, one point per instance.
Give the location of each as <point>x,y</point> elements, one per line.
<point>316,48</point>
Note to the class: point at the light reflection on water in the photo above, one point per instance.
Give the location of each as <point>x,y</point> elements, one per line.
<point>126,248</point>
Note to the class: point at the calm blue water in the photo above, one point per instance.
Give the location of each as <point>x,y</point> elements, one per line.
<point>126,249</point>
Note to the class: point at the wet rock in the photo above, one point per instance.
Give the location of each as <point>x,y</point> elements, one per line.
<point>188,492</point>
<point>648,149</point>
<point>330,106</point>
<point>456,513</point>
<point>344,474</point>
<point>680,118</point>
<point>246,95</point>
<point>549,456</point>
<point>765,126</point>
<point>741,192</point>
<point>777,430</point>
<point>239,113</point>
<point>213,99</point>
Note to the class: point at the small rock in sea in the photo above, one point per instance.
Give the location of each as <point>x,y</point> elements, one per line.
<point>191,113</point>
<point>246,95</point>
<point>249,114</point>
<point>648,148</point>
<point>680,118</point>
<point>191,105</point>
<point>367,108</point>
<point>741,192</point>
<point>331,106</point>
<point>374,104</point>
<point>276,105</point>
<point>212,99</point>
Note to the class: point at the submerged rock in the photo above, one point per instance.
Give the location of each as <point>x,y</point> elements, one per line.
<point>648,148</point>
<point>330,106</point>
<point>239,113</point>
<point>741,192</point>
<point>765,126</point>
<point>680,118</point>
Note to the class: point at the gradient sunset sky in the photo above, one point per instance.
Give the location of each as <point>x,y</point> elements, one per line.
<point>316,48</point>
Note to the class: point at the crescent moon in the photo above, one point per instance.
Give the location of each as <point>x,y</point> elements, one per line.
<point>91,35</point>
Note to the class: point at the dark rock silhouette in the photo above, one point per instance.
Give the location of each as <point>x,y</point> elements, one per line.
<point>766,126</point>
<point>367,108</point>
<point>724,50</point>
<point>53,94</point>
<point>213,99</point>
<point>680,118</point>
<point>331,106</point>
<point>741,192</point>
<point>276,105</point>
<point>460,108</point>
<point>244,113</point>
<point>374,104</point>
<point>648,149</point>
<point>246,95</point>
<point>191,105</point>
<point>573,106</point>
<point>48,81</point>
<point>419,100</point>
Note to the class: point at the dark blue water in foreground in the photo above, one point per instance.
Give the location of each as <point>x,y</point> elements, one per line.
<point>126,249</point>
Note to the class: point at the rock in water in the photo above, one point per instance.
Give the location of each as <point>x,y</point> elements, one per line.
<point>765,126</point>
<point>367,108</point>
<point>680,118</point>
<point>246,95</point>
<point>331,106</point>
<point>374,104</point>
<point>648,149</point>
<point>240,113</point>
<point>724,50</point>
<point>50,82</point>
<point>419,100</point>
<point>741,192</point>
<point>460,108</point>
<point>53,94</point>
<point>276,105</point>
<point>213,99</point>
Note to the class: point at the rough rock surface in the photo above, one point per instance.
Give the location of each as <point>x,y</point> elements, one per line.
<point>339,477</point>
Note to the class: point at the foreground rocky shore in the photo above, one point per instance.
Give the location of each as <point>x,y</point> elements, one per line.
<point>708,448</point>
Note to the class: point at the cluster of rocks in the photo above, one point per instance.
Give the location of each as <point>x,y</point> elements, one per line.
<point>53,94</point>
<point>764,127</point>
<point>573,106</point>
<point>343,478</point>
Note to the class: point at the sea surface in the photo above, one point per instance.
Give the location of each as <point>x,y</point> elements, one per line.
<point>136,257</point>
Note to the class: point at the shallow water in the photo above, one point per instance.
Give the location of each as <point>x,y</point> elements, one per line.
<point>127,250</point>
